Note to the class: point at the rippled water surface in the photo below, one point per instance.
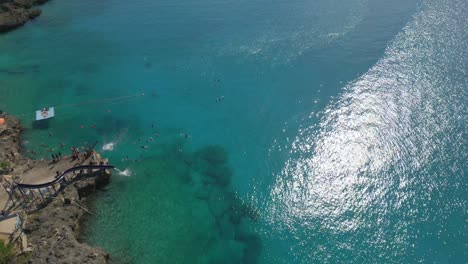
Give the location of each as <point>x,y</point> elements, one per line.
<point>258,131</point>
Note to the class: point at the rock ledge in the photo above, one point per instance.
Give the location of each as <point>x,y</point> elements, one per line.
<point>15,13</point>
<point>52,232</point>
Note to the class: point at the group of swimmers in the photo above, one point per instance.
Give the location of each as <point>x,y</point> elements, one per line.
<point>88,152</point>
<point>219,99</point>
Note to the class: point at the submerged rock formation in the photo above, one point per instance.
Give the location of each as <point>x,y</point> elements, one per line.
<point>181,208</point>
<point>15,13</point>
<point>211,178</point>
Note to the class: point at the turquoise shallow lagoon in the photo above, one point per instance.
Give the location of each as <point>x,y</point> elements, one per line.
<point>275,131</point>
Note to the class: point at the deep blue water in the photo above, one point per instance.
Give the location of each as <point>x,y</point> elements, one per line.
<point>339,127</point>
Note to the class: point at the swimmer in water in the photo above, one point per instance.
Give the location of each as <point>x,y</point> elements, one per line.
<point>144,147</point>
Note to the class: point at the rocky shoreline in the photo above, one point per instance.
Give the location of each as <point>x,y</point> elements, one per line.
<point>15,13</point>
<point>53,231</point>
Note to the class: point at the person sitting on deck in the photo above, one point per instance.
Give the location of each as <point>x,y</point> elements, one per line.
<point>75,153</point>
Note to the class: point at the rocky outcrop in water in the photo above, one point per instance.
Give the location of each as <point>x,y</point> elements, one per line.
<point>10,144</point>
<point>15,13</point>
<point>52,232</point>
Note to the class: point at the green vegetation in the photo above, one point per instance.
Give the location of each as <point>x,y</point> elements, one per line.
<point>6,252</point>
<point>4,164</point>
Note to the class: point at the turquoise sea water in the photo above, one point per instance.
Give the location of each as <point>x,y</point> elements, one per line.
<point>288,131</point>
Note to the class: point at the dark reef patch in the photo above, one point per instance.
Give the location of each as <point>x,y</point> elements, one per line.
<point>214,155</point>
<point>211,178</point>
<point>178,206</point>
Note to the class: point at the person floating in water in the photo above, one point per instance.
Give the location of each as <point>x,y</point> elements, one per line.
<point>148,63</point>
<point>219,99</point>
<point>144,147</point>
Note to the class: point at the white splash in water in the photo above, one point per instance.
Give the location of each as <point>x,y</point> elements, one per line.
<point>108,146</point>
<point>127,172</point>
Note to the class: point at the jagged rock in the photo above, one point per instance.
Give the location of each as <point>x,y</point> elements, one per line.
<point>101,180</point>
<point>85,188</point>
<point>9,138</point>
<point>34,13</point>
<point>24,3</point>
<point>12,19</point>
<point>15,13</point>
<point>52,231</point>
